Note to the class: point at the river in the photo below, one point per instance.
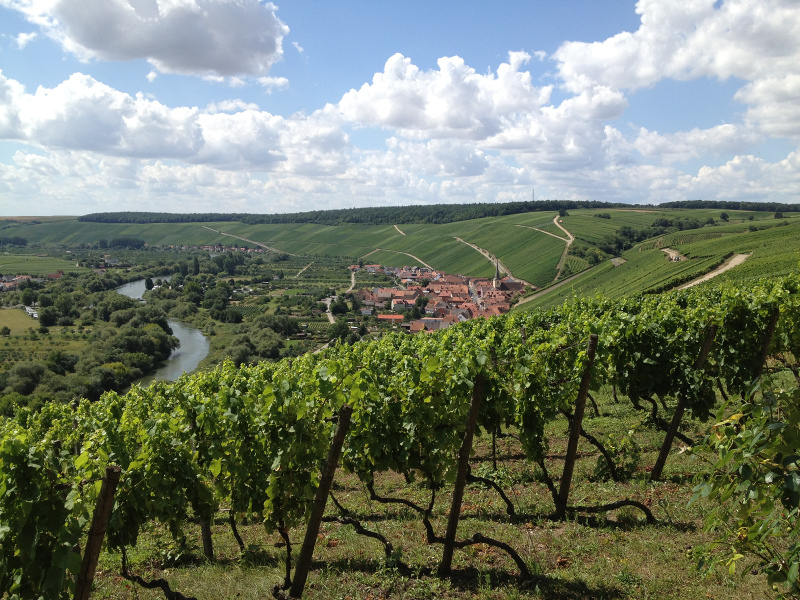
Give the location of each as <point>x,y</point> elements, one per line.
<point>194,345</point>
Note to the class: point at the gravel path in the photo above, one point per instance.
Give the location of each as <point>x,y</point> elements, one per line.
<point>735,260</point>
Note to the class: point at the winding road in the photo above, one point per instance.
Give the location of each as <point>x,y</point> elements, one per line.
<point>733,261</point>
<point>492,260</point>
<point>569,240</point>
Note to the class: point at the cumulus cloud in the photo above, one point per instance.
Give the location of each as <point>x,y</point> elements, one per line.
<point>230,106</point>
<point>82,114</point>
<point>194,37</point>
<point>23,39</point>
<point>455,101</point>
<point>452,134</point>
<point>686,40</point>
<point>685,145</point>
<point>751,40</point>
<point>271,83</point>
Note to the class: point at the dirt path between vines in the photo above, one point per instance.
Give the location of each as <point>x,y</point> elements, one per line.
<point>352,282</point>
<point>492,259</point>
<point>674,255</point>
<point>399,230</point>
<point>244,239</point>
<point>555,286</point>
<point>734,261</point>
<point>417,258</point>
<point>558,237</point>
<point>569,240</point>
<point>300,272</point>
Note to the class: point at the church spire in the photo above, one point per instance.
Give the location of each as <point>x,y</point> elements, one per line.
<point>496,273</point>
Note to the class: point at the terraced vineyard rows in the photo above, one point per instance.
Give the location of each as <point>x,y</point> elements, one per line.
<point>253,440</point>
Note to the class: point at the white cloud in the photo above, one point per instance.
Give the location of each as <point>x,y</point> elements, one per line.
<point>774,104</point>
<point>230,106</point>
<point>752,40</point>
<point>453,102</point>
<point>747,177</point>
<point>453,134</point>
<point>683,146</point>
<point>151,76</point>
<point>11,93</point>
<point>23,39</point>
<point>686,40</point>
<point>84,114</point>
<point>195,37</point>
<point>273,82</point>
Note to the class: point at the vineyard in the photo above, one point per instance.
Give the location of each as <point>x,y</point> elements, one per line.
<point>263,443</point>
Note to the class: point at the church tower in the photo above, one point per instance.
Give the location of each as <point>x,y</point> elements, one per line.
<point>497,283</point>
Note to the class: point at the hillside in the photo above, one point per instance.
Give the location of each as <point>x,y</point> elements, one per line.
<point>529,245</point>
<point>219,472</point>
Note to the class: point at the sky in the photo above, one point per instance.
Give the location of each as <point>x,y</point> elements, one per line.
<point>247,106</point>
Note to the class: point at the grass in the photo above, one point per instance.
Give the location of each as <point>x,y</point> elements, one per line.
<point>17,320</point>
<point>37,266</point>
<point>612,556</point>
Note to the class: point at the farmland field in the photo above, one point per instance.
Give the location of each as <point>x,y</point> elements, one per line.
<point>773,251</point>
<point>531,255</point>
<point>17,320</point>
<point>37,266</point>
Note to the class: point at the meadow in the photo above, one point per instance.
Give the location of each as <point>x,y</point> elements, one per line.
<point>37,266</point>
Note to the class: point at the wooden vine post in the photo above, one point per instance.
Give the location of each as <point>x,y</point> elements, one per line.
<point>208,543</point>
<point>321,499</point>
<point>575,429</point>
<point>658,468</point>
<point>773,324</point>
<point>94,541</point>
<point>461,477</point>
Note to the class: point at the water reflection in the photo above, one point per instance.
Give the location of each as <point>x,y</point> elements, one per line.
<point>194,345</point>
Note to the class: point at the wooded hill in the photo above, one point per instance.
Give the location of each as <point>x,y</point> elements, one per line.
<point>428,213</point>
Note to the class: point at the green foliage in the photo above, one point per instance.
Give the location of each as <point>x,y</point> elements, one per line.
<point>755,484</point>
<point>626,454</point>
<point>254,438</point>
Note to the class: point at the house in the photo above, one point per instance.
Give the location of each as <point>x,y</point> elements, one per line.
<point>391,318</point>
<point>416,327</point>
<point>400,304</point>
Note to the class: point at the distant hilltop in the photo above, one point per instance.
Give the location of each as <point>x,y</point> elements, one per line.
<point>426,213</point>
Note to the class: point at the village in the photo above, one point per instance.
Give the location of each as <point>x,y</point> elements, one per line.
<point>436,299</point>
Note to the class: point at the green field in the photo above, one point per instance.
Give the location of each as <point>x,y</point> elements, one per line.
<point>17,320</point>
<point>773,251</point>
<point>37,266</point>
<point>530,255</point>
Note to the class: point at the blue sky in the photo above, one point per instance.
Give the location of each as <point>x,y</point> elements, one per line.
<point>247,106</point>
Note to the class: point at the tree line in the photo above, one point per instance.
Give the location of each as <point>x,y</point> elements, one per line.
<point>388,215</point>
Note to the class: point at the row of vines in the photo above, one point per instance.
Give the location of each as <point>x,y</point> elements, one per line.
<point>254,439</point>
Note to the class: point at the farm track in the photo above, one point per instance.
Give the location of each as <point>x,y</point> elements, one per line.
<point>300,272</point>
<point>400,231</point>
<point>417,258</point>
<point>244,239</point>
<point>370,253</point>
<point>734,261</point>
<point>555,286</point>
<point>569,240</point>
<point>492,259</point>
<point>674,255</point>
